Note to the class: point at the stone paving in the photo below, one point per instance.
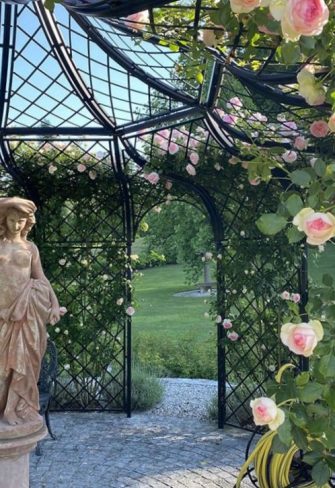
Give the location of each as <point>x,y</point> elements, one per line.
<point>106,450</point>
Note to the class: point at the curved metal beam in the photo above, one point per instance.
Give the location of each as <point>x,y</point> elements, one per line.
<point>126,63</point>
<point>68,66</point>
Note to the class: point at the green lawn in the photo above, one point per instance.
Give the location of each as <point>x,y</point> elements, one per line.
<point>160,313</point>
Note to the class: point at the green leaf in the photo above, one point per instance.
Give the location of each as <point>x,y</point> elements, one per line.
<point>271,224</point>
<point>301,177</point>
<point>302,378</point>
<point>321,473</point>
<point>294,235</point>
<point>290,52</point>
<point>294,204</point>
<point>327,365</point>
<point>320,167</point>
<point>299,437</point>
<point>327,279</point>
<point>278,446</point>
<point>310,392</point>
<point>329,396</point>
<point>284,432</point>
<point>50,5</point>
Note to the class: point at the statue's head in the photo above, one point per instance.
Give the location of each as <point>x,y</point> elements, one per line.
<point>16,215</point>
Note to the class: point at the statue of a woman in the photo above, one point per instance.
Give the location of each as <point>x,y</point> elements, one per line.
<point>27,304</point>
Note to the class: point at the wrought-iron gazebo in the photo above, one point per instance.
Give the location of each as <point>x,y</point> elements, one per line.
<point>84,96</point>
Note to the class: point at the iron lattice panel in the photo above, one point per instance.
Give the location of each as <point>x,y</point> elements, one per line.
<point>81,234</point>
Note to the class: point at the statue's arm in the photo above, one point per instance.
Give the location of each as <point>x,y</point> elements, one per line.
<point>37,273</point>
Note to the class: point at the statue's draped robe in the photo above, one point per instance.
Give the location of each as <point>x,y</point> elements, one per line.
<point>24,312</point>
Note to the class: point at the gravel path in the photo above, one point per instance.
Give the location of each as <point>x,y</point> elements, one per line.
<point>185,397</point>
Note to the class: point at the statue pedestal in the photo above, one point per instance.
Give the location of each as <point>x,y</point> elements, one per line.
<point>16,442</point>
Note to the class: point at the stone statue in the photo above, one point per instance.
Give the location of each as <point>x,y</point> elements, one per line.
<point>27,304</point>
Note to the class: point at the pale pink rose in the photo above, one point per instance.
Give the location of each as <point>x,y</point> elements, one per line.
<point>194,158</point>
<point>130,311</point>
<point>152,177</point>
<point>191,170</point>
<point>119,301</point>
<point>173,148</point>
<point>193,143</point>
<point>300,143</point>
<point>233,336</point>
<point>295,297</point>
<point>81,168</point>
<point>62,311</point>
<point>319,128</point>
<point>92,174</point>
<point>266,412</point>
<point>288,128</point>
<point>234,103</point>
<point>168,184</point>
<point>304,18</point>
<point>229,119</point>
<point>289,156</point>
<point>256,181</point>
<point>319,227</point>
<point>138,20</point>
<point>233,160</point>
<point>208,37</point>
<point>244,6</point>
<point>52,168</point>
<point>164,133</point>
<point>227,324</point>
<point>257,117</point>
<point>313,93</point>
<point>331,123</point>
<point>302,338</point>
<point>218,319</point>
<point>285,295</point>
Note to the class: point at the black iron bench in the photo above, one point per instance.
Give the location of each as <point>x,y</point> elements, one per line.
<point>46,386</point>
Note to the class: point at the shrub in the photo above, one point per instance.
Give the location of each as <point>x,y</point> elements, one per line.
<point>187,358</point>
<point>146,389</point>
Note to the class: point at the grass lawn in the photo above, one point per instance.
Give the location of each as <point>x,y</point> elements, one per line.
<point>160,313</point>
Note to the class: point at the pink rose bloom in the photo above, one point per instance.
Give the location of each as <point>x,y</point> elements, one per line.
<point>234,103</point>
<point>302,338</point>
<point>257,117</point>
<point>285,295</point>
<point>137,20</point>
<point>289,156</point>
<point>295,297</point>
<point>266,412</point>
<point>119,301</point>
<point>255,181</point>
<point>130,311</point>
<point>233,336</point>
<point>191,170</point>
<point>193,143</point>
<point>304,18</point>
<point>194,158</point>
<point>319,128</point>
<point>152,177</point>
<point>165,133</point>
<point>81,168</point>
<point>319,227</point>
<point>288,128</point>
<point>92,174</point>
<point>244,6</point>
<point>331,123</point>
<point>229,119</point>
<point>160,141</point>
<point>227,324</point>
<point>173,148</point>
<point>168,184</point>
<point>300,143</point>
<point>208,37</point>
<point>233,160</point>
